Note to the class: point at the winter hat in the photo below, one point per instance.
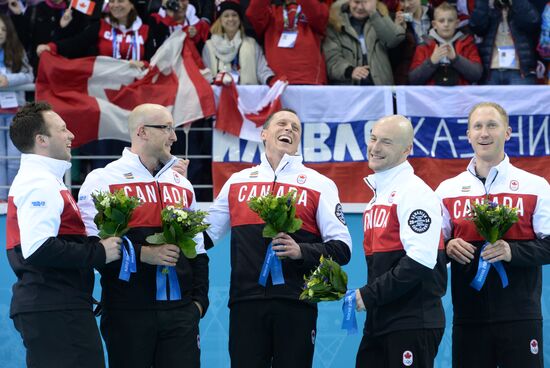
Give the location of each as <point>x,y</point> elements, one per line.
<point>230,5</point>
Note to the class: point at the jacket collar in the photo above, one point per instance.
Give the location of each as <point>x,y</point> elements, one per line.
<point>134,160</point>
<point>287,161</point>
<point>499,170</point>
<point>39,162</point>
<point>385,178</point>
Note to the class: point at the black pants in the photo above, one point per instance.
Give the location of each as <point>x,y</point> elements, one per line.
<point>504,344</point>
<point>61,339</point>
<point>409,348</point>
<point>159,338</point>
<point>272,333</point>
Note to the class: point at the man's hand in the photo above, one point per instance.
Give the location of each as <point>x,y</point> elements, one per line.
<point>439,53</point>
<point>284,246</point>
<point>460,250</point>
<point>181,166</point>
<point>359,305</point>
<point>370,6</point>
<point>160,255</point>
<point>3,81</point>
<point>360,72</point>
<point>112,248</point>
<point>15,7</point>
<point>499,251</point>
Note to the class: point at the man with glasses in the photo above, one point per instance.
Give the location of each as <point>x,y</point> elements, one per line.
<point>145,322</point>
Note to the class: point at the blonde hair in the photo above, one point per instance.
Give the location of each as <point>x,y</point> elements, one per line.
<point>445,6</point>
<point>503,114</point>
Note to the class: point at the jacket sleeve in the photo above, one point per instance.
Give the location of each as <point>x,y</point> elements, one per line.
<point>218,215</point>
<point>526,16</point>
<point>80,44</point>
<point>259,13</point>
<point>389,33</point>
<point>422,69</point>
<point>337,64</point>
<point>421,245</point>
<point>468,63</point>
<point>317,15</point>
<point>263,71</point>
<point>334,231</point>
<point>39,227</point>
<point>24,76</point>
<point>479,20</point>
<point>22,26</point>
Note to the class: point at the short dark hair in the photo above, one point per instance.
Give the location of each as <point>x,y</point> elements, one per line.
<point>27,124</point>
<point>270,117</point>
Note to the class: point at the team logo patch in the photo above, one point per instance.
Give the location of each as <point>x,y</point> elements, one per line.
<point>176,177</point>
<point>128,175</point>
<point>339,212</point>
<point>514,185</point>
<point>419,221</point>
<point>466,188</point>
<point>199,341</point>
<point>534,345</point>
<point>392,196</point>
<point>313,334</point>
<point>301,178</point>
<point>82,197</point>
<point>407,358</point>
<point>38,204</point>
<point>253,174</point>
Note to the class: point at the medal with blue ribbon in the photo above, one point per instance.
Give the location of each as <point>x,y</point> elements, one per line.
<point>349,322</point>
<point>167,278</point>
<point>128,265</point>
<point>483,268</point>
<point>272,265</point>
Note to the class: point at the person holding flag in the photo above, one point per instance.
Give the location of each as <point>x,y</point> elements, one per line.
<point>509,317</point>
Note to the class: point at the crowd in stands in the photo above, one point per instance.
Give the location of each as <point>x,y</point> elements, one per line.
<point>306,42</point>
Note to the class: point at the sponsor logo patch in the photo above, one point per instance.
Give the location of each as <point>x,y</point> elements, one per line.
<point>534,346</point>
<point>514,185</point>
<point>339,212</point>
<point>466,188</point>
<point>407,358</point>
<point>253,174</point>
<point>199,341</point>
<point>313,334</point>
<point>128,175</point>
<point>392,196</point>
<point>301,178</point>
<point>38,204</point>
<point>419,221</point>
<point>176,177</point>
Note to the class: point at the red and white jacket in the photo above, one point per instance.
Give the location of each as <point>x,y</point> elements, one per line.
<point>407,274</point>
<point>514,187</point>
<point>165,188</point>
<point>46,241</point>
<point>324,231</point>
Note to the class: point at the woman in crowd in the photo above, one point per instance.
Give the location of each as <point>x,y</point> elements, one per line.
<point>229,51</point>
<point>14,71</point>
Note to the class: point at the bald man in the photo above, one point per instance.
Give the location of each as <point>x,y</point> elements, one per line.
<point>407,275</point>
<point>151,319</point>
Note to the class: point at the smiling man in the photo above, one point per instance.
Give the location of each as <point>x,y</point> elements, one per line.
<point>496,326</point>
<point>48,248</point>
<point>268,325</point>
<point>407,275</point>
<point>144,324</point>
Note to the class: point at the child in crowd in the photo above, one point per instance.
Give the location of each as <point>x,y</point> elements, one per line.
<point>447,57</point>
<point>14,71</point>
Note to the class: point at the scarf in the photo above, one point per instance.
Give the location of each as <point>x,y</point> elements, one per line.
<point>226,50</point>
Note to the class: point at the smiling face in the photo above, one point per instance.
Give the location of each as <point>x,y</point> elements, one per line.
<point>487,132</point>
<point>59,138</point>
<point>230,21</point>
<point>282,135</point>
<point>120,9</point>
<point>357,9</point>
<point>389,143</point>
<point>410,6</point>
<point>158,143</point>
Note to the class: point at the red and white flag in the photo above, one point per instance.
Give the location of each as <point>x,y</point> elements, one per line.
<point>244,115</point>
<point>95,95</point>
<point>83,6</point>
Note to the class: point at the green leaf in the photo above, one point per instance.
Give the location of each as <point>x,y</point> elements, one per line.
<point>157,238</point>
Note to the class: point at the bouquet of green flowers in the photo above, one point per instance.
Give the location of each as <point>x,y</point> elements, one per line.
<point>114,211</point>
<point>492,220</point>
<point>179,226</point>
<point>279,213</point>
<point>328,282</point>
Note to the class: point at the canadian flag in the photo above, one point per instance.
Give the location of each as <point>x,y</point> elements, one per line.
<point>95,95</point>
<point>245,115</point>
<point>83,6</point>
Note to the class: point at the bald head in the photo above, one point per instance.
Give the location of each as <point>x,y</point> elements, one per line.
<point>390,142</point>
<point>147,114</point>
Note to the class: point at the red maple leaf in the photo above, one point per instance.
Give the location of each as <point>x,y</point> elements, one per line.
<point>534,343</point>
<point>408,355</point>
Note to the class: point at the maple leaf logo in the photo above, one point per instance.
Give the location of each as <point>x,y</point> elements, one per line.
<point>408,355</point>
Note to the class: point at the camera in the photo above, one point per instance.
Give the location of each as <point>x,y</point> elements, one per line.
<point>407,17</point>
<point>173,5</point>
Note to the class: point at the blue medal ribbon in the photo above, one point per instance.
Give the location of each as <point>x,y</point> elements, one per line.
<point>128,265</point>
<point>272,264</point>
<point>165,273</point>
<point>483,268</point>
<point>349,322</point>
